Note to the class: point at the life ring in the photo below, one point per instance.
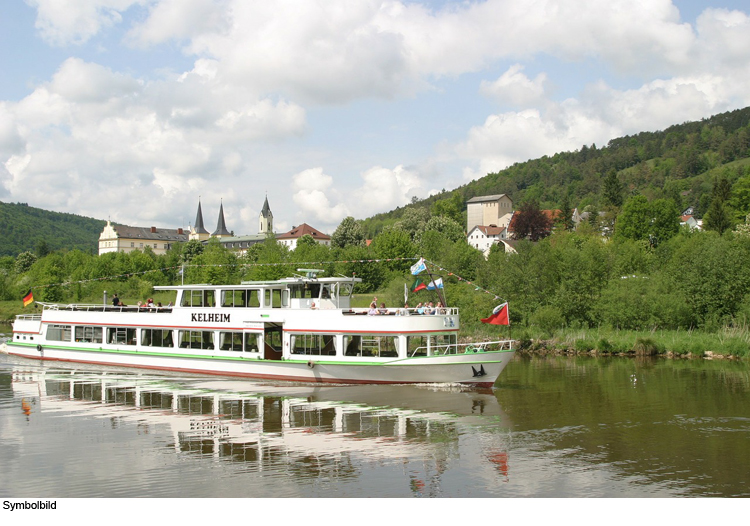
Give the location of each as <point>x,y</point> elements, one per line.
<point>311,364</point>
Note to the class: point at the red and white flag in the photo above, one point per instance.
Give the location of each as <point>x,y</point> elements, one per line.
<point>499,316</point>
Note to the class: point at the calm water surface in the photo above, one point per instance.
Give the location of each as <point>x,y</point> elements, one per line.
<point>553,427</point>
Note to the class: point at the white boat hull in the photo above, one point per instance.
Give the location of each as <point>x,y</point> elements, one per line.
<point>479,369</point>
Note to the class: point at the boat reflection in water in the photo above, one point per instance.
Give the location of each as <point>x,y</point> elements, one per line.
<point>304,430</point>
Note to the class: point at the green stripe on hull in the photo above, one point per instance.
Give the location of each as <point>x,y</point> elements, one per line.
<point>400,362</point>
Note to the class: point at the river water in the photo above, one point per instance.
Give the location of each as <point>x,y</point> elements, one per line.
<point>552,427</point>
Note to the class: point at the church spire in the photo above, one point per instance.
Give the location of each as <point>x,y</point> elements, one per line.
<point>266,219</point>
<point>221,227</point>
<point>199,228</point>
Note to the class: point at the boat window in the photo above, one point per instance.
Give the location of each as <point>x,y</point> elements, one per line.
<point>371,346</point>
<point>416,345</point>
<point>121,335</point>
<point>307,290</point>
<point>314,344</point>
<point>59,333</point>
<point>230,341</point>
<point>156,338</point>
<point>240,298</point>
<point>88,334</point>
<point>444,344</point>
<point>273,298</point>
<point>197,339</point>
<point>198,298</point>
<point>253,342</point>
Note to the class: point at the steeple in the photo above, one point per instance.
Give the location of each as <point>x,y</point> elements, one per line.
<point>266,219</point>
<point>221,227</point>
<point>198,231</point>
<point>199,228</point>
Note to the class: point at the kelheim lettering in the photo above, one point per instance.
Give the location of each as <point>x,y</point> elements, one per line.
<point>210,318</point>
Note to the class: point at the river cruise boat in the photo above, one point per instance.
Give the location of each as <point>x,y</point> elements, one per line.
<point>295,329</point>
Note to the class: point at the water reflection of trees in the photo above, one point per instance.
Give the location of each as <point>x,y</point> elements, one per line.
<point>673,422</point>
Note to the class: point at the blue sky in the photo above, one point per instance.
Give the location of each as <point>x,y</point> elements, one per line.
<point>132,110</point>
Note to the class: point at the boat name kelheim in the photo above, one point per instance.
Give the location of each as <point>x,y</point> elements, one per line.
<point>210,318</point>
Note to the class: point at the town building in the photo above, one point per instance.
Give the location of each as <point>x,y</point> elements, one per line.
<point>483,237</point>
<point>489,210</point>
<point>291,238</point>
<point>122,238</point>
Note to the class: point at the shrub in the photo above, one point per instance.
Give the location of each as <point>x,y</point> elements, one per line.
<point>647,347</point>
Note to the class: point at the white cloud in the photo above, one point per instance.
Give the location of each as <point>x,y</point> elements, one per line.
<point>516,88</point>
<point>63,23</point>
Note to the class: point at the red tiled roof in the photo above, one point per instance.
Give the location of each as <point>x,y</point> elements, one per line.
<point>304,229</point>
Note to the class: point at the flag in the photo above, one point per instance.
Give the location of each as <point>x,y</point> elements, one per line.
<point>437,284</point>
<point>418,285</point>
<point>28,299</point>
<point>499,316</point>
<point>418,267</point>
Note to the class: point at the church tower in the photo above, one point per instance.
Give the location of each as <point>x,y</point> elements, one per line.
<point>221,227</point>
<point>266,220</point>
<point>198,231</point>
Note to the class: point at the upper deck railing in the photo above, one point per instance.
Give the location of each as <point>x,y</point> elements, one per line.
<point>442,311</point>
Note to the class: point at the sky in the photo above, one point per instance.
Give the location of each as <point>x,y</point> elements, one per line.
<point>136,110</point>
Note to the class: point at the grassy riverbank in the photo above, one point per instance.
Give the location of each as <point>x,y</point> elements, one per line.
<point>728,342</point>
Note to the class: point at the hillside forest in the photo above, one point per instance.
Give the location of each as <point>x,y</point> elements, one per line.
<point>631,267</point>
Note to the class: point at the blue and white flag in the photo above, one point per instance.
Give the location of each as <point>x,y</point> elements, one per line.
<point>437,284</point>
<point>418,267</point>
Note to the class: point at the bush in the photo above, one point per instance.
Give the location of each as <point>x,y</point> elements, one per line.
<point>647,347</point>
<point>548,318</point>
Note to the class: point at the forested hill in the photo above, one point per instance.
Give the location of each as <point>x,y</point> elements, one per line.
<point>24,227</point>
<point>681,163</point>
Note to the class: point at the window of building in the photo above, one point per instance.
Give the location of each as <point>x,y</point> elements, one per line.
<point>157,338</point>
<point>87,334</point>
<point>314,344</point>
<point>59,333</point>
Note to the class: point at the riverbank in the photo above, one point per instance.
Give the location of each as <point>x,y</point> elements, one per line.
<point>727,343</point>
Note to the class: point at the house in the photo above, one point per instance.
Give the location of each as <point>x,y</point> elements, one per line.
<point>290,238</point>
<point>691,222</point>
<point>489,210</point>
<point>483,237</point>
<point>122,238</point>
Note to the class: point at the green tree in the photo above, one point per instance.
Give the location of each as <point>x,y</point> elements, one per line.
<point>24,262</point>
<point>394,244</point>
<point>634,222</point>
<point>349,232</point>
<point>451,208</point>
<point>613,190</point>
<point>192,249</point>
<point>719,216</point>
<point>565,217</point>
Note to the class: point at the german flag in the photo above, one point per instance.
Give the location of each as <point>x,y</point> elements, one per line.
<point>28,299</point>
